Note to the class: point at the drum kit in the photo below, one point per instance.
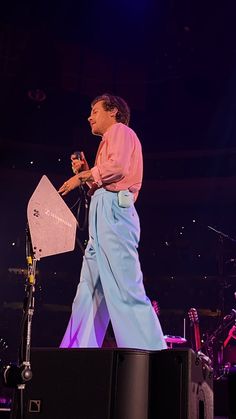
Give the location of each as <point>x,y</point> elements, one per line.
<point>220,346</point>
<point>218,350</point>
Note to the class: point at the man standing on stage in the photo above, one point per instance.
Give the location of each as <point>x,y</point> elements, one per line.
<point>111,281</point>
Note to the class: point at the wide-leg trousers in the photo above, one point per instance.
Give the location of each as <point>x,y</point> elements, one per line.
<point>111,283</point>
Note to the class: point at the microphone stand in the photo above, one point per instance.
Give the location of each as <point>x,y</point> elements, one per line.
<point>16,376</point>
<point>46,212</point>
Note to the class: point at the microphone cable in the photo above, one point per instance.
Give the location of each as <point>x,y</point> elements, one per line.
<point>83,205</point>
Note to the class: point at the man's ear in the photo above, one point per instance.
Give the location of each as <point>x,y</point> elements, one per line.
<point>113,112</point>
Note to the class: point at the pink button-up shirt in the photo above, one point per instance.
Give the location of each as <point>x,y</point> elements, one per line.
<point>119,161</point>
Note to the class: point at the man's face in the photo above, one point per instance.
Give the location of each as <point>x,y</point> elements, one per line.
<point>100,120</point>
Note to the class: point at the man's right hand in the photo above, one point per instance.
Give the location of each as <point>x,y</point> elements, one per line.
<point>72,183</point>
<point>79,164</point>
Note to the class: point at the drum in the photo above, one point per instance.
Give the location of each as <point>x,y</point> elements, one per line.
<point>174,340</point>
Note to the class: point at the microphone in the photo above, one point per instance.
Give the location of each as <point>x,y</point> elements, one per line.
<point>76,155</point>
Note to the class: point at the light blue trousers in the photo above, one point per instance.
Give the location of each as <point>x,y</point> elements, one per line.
<point>111,283</point>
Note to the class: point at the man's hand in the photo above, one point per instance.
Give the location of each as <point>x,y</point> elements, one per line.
<point>69,185</point>
<point>78,164</point>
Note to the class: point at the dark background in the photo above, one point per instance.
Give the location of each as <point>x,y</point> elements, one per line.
<point>175,64</point>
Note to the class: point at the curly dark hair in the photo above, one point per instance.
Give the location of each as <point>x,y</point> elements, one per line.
<point>110,102</point>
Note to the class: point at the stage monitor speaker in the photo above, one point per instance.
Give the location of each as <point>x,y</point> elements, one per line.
<point>117,384</point>
<point>179,377</point>
<point>86,384</point>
